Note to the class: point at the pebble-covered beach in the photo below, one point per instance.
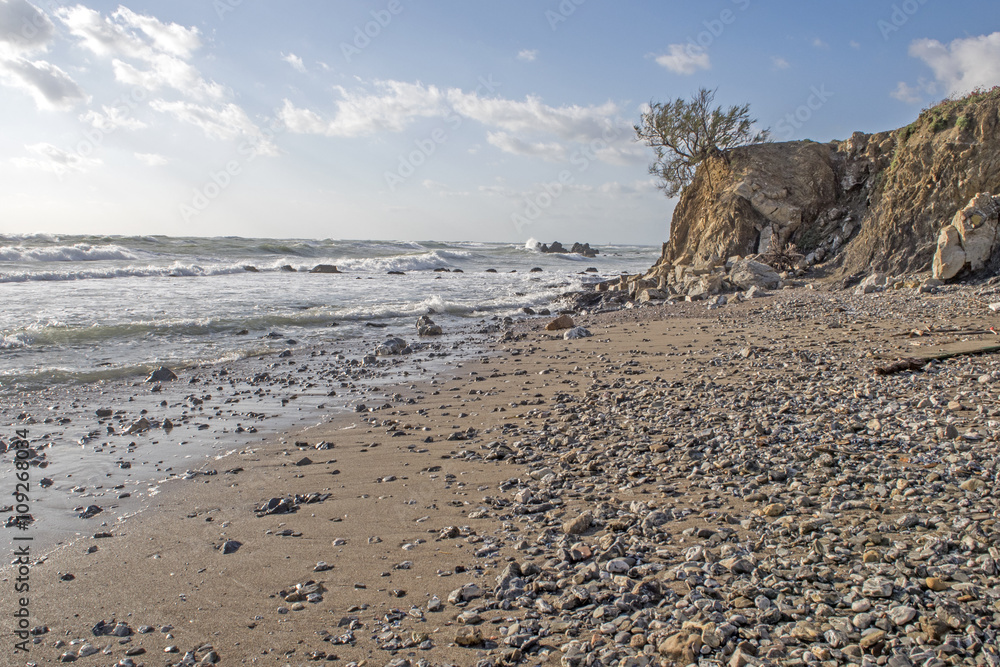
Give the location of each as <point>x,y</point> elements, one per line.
<point>730,485</point>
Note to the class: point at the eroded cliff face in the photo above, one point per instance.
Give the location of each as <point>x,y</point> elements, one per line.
<point>872,203</point>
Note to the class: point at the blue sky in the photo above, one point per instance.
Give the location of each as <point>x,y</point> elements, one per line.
<point>407,119</point>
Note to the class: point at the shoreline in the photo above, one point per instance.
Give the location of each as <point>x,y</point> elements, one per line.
<point>609,487</point>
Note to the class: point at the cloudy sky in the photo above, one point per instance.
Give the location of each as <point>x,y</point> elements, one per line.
<point>417,120</point>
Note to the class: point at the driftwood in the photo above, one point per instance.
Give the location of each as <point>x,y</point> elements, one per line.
<point>917,363</point>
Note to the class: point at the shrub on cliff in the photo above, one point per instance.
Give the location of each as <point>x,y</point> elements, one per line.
<point>684,133</point>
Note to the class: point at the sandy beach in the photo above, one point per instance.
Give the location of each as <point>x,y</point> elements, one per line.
<point>734,483</point>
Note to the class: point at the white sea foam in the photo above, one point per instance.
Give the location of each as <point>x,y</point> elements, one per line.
<point>81,252</point>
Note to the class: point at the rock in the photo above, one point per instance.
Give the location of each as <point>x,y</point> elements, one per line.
<point>877,587</point>
<point>747,273</point>
<point>140,426</point>
<point>755,293</point>
<point>161,374</point>
<point>427,327</point>
<point>391,347</point>
<point>774,509</point>
<point>576,333</point>
<point>104,412</point>
<point>468,636</point>
<point>90,512</point>
<point>465,593</point>
<point>651,294</point>
<point>578,525</point>
<point>561,322</point>
<point>949,259</point>
<point>288,268</point>
<point>230,546</point>
<point>902,614</point>
<point>936,584</point>
<point>324,268</point>
<point>251,269</point>
<point>681,647</point>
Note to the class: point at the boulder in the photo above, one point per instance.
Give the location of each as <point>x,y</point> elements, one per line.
<point>324,268</point>
<point>749,273</point>
<point>561,322</point>
<point>949,258</point>
<point>577,332</point>
<point>288,268</point>
<point>652,294</point>
<point>977,226</point>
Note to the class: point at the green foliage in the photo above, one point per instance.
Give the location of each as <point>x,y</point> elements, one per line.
<point>683,134</point>
<point>959,111</point>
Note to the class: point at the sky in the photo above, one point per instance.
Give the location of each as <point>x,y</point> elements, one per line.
<point>419,120</point>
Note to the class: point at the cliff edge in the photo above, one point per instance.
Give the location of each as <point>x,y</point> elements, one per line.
<point>872,203</point>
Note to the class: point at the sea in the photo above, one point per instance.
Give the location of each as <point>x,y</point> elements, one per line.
<point>263,351</point>
<point>80,309</point>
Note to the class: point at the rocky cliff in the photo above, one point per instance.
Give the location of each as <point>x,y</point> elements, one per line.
<point>875,202</point>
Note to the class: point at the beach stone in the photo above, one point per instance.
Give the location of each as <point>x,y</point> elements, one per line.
<point>140,426</point>
<point>465,593</point>
<point>561,322</point>
<point>324,268</point>
<point>578,525</point>
<point>161,374</point>
<point>901,615</point>
<point>936,584</point>
<point>469,636</point>
<point>774,509</point>
<point>681,647</point>
<point>877,587</point>
<point>230,546</point>
<point>390,347</point>
<point>577,333</point>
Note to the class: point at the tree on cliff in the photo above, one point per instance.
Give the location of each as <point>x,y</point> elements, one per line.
<point>684,134</point>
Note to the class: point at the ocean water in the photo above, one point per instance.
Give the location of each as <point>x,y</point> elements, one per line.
<point>81,309</point>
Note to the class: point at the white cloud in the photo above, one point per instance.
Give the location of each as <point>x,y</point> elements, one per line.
<point>111,119</point>
<point>55,160</point>
<point>684,59</point>
<point>573,123</point>
<point>227,122</point>
<point>527,55</point>
<point>49,86</point>
<point>963,65</point>
<point>526,127</point>
<point>820,44</point>
<point>904,92</point>
<point>779,63</point>
<point>551,152</point>
<point>166,37</point>
<point>855,45</point>
<point>295,61</point>
<point>391,108</point>
<point>168,72</point>
<point>23,28</point>
<point>151,159</point>
<point>163,47</point>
